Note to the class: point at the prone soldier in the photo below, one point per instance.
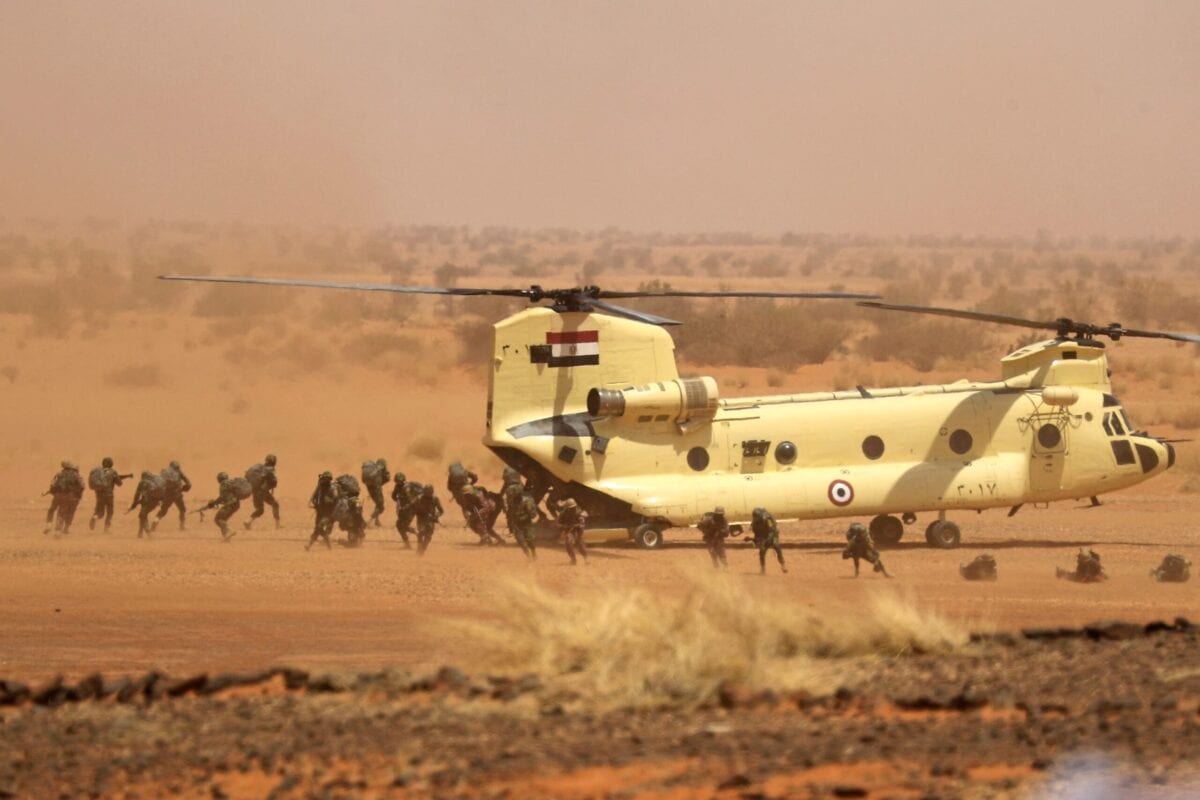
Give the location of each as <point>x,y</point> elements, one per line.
<point>766,537</point>
<point>981,568</point>
<point>374,475</point>
<point>714,528</point>
<point>1173,569</point>
<point>571,521</point>
<point>428,510</point>
<point>103,480</point>
<point>230,494</point>
<point>323,501</point>
<point>861,547</point>
<point>175,483</point>
<point>405,494</point>
<point>66,490</point>
<point>1087,568</point>
<point>146,497</point>
<point>262,490</point>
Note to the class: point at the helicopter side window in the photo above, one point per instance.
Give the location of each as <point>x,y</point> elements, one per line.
<point>1108,424</point>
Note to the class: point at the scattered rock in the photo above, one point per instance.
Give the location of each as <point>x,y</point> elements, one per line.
<point>51,694</point>
<point>1113,631</point>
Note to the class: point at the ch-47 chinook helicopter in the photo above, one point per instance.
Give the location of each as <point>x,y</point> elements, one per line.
<point>585,401</point>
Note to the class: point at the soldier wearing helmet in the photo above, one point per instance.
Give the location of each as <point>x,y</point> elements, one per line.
<point>405,494</point>
<point>714,528</point>
<point>66,490</point>
<point>480,509</point>
<point>511,493</point>
<point>374,475</point>
<point>572,521</point>
<point>150,491</point>
<point>323,501</point>
<point>428,510</point>
<point>262,490</point>
<point>175,485</point>
<point>861,547</point>
<point>231,491</point>
<point>103,481</point>
<point>766,537</point>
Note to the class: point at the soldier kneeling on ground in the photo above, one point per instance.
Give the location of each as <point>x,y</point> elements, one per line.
<point>861,547</point>
<point>983,568</point>
<point>1087,568</point>
<point>1173,569</point>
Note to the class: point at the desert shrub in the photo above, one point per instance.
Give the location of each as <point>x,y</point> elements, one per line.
<point>686,648</point>
<point>135,376</point>
<point>426,448</point>
<point>921,341</point>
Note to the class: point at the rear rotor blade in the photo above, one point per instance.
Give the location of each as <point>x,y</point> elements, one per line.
<point>629,313</point>
<point>361,287</point>
<point>1175,337</point>
<point>778,295</point>
<point>981,316</point>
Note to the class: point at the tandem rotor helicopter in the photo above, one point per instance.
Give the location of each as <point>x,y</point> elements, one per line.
<point>585,400</point>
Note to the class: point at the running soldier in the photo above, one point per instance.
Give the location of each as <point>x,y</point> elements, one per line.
<point>1087,568</point>
<point>480,509</point>
<point>715,528</point>
<point>458,476</point>
<point>374,475</point>
<point>428,510</point>
<point>861,547</point>
<point>981,568</point>
<point>323,501</point>
<point>571,522</point>
<point>175,483</point>
<point>348,512</point>
<point>230,495</point>
<point>103,480</point>
<point>510,492</point>
<point>766,537</point>
<point>146,497</point>
<point>66,490</point>
<point>1173,569</point>
<point>521,516</point>
<point>405,494</point>
<point>262,490</point>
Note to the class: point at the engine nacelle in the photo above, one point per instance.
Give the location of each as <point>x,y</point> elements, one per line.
<point>687,402</point>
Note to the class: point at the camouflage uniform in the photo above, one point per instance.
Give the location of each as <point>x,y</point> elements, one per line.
<point>348,512</point>
<point>428,510</point>
<point>715,528</point>
<point>323,501</point>
<point>480,508</point>
<point>175,484</point>
<point>1087,568</point>
<point>982,568</point>
<point>571,522</point>
<point>458,476</point>
<point>104,480</point>
<point>262,484</point>
<point>510,492</point>
<point>521,517</point>
<point>861,547</point>
<point>374,475</point>
<point>146,497</point>
<point>766,537</point>
<point>1174,569</point>
<point>228,500</point>
<point>405,494</point>
<point>66,490</point>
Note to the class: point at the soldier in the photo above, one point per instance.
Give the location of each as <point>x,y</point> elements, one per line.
<point>862,547</point>
<point>571,522</point>
<point>146,497</point>
<point>1174,569</point>
<point>457,476</point>
<point>175,483</point>
<point>262,486</point>
<point>405,494</point>
<point>374,475</point>
<point>103,480</point>
<point>66,490</point>
<point>982,568</point>
<point>521,517</point>
<point>323,501</point>
<point>229,497</point>
<point>715,528</point>
<point>766,537</point>
<point>348,511</point>
<point>1087,568</point>
<point>510,492</point>
<point>428,510</point>
<point>480,510</point>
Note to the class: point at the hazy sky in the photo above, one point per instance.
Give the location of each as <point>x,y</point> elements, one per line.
<point>910,117</point>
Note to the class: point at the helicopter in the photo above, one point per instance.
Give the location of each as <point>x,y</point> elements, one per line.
<point>585,400</point>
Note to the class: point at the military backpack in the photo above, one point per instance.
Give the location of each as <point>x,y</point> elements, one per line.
<point>241,488</point>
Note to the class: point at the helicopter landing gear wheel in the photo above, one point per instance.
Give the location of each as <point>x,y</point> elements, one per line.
<point>943,534</point>
<point>648,536</point>
<point>886,530</point>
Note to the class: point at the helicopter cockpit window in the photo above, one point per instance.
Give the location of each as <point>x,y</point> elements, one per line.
<point>1128,424</point>
<point>1108,424</point>
<point>1116,425</point>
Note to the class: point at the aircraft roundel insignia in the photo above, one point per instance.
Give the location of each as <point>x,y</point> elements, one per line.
<point>841,493</point>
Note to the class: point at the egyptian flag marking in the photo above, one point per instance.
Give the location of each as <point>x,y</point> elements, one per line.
<point>573,348</point>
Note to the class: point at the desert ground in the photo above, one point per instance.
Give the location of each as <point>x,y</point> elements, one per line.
<point>99,359</point>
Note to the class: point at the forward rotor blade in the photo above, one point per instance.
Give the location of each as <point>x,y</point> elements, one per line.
<point>1175,337</point>
<point>778,295</point>
<point>629,313</point>
<point>981,316</point>
<point>361,287</point>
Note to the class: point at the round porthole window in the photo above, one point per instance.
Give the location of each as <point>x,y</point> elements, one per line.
<point>1049,436</point>
<point>872,447</point>
<point>961,441</point>
<point>697,458</point>
<point>785,452</point>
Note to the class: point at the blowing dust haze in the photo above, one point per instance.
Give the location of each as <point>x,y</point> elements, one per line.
<point>1079,118</point>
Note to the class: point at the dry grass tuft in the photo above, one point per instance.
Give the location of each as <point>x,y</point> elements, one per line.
<point>622,647</point>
